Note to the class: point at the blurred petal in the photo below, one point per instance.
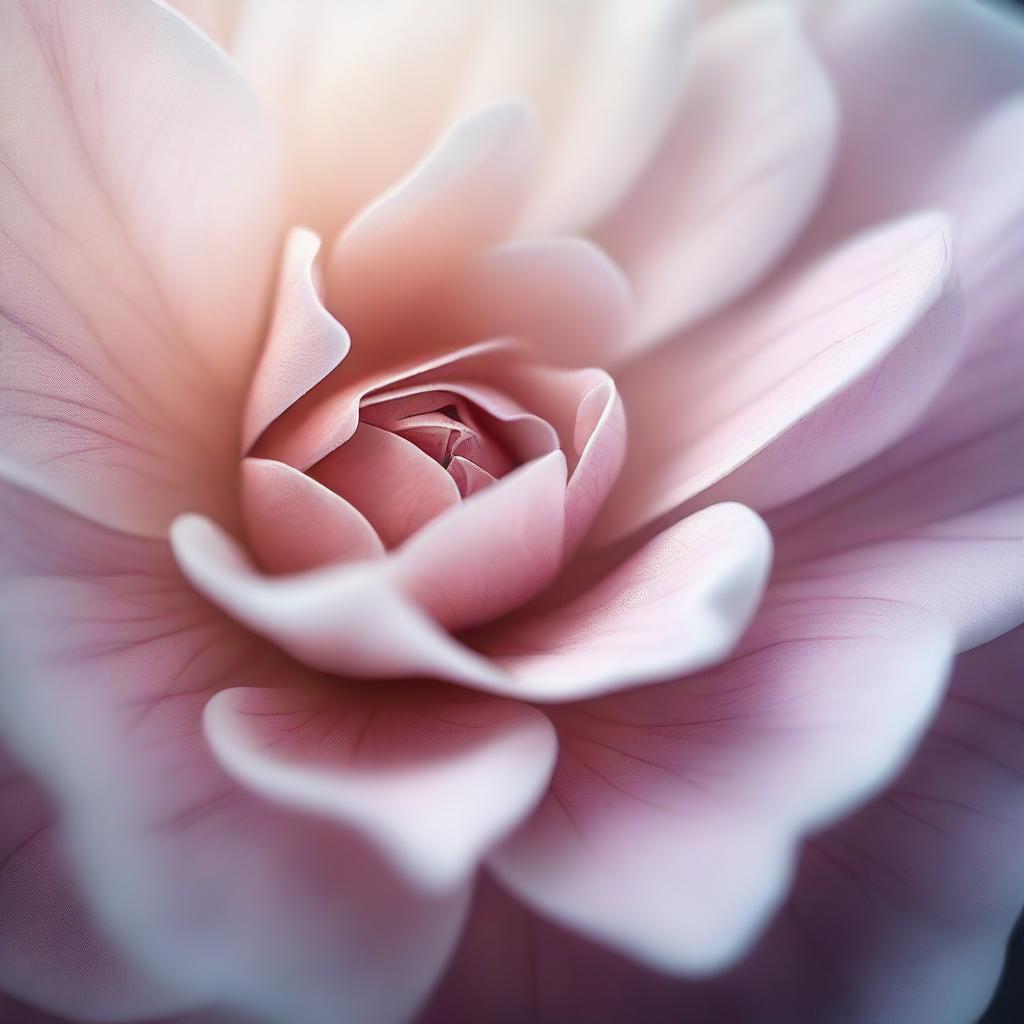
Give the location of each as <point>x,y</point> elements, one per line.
<point>109,661</point>
<point>304,342</point>
<point>139,216</point>
<point>603,78</point>
<point>670,828</point>
<point>294,523</point>
<point>389,480</point>
<point>826,369</point>
<point>433,778</point>
<point>52,952</point>
<point>739,174</point>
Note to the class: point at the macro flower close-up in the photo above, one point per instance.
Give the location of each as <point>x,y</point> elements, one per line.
<point>510,510</point>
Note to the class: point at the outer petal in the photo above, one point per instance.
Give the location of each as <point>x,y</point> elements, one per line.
<point>304,342</point>
<point>670,829</point>
<point>737,177</point>
<point>432,777</point>
<point>825,370</point>
<point>139,224</point>
<point>53,952</point>
<point>108,662</point>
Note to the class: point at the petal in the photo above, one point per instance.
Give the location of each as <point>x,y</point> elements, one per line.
<point>737,177</point>
<point>401,62</point>
<point>389,263</point>
<point>585,408</point>
<point>304,342</point>
<point>826,369</point>
<point>670,829</point>
<point>433,778</point>
<point>81,972</point>
<point>109,663</point>
<point>294,523</point>
<point>563,295</point>
<point>918,121</point>
<point>603,77</point>
<point>492,552</point>
<point>389,480</point>
<point>140,224</point>
<point>940,517</point>
<point>911,901</point>
<point>356,620</point>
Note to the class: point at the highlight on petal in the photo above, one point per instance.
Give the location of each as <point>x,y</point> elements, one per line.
<point>433,778</point>
<point>304,342</point>
<point>294,523</point>
<point>740,172</point>
<point>670,830</point>
<point>824,370</point>
<point>140,221</point>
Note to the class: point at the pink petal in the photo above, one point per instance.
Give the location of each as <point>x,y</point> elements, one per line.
<point>492,552</point>
<point>390,262</point>
<point>585,408</point>
<point>52,951</point>
<point>432,778</point>
<point>389,480</point>
<point>563,295</point>
<point>326,418</point>
<point>214,17</point>
<point>364,620</point>
<point>670,829</point>
<point>294,523</point>
<point>827,368</point>
<point>304,342</point>
<point>911,901</point>
<point>741,171</point>
<point>114,664</point>
<point>139,229</point>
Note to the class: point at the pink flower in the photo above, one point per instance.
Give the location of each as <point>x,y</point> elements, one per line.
<point>493,497</point>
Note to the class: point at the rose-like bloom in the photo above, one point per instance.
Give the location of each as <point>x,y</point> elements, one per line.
<point>495,499</point>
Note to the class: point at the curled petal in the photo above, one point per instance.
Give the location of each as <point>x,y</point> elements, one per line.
<point>434,779</point>
<point>304,342</point>
<point>294,523</point>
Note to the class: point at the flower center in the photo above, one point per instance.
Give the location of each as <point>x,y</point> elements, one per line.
<point>461,437</point>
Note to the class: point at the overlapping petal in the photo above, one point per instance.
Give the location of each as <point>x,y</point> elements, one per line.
<point>134,260</point>
<point>825,369</point>
<point>737,177</point>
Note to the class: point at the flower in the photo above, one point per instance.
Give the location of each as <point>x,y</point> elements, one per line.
<point>493,497</point>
